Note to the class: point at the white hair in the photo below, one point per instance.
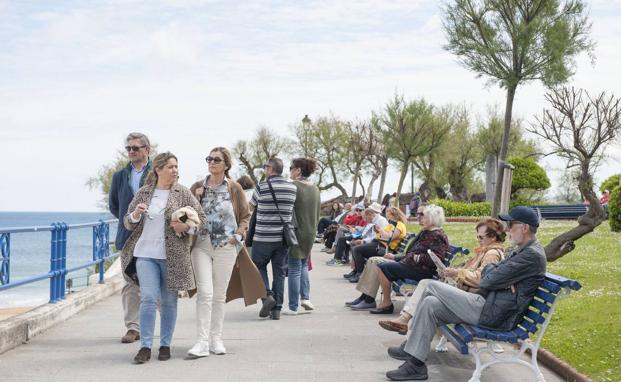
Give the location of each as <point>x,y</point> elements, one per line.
<point>435,215</point>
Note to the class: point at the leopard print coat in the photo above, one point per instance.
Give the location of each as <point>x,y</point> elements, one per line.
<point>180,272</point>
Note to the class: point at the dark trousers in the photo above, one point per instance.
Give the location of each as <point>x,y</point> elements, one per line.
<point>323,224</point>
<point>262,254</point>
<point>342,249</point>
<point>398,271</point>
<point>362,252</point>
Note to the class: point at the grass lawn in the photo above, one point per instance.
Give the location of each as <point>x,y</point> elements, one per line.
<point>585,329</point>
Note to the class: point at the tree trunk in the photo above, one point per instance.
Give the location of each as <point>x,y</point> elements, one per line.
<point>504,148</point>
<point>382,181</point>
<point>355,186</point>
<point>595,215</point>
<point>404,172</point>
<point>369,194</point>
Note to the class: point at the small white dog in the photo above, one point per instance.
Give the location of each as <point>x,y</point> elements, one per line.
<point>186,215</point>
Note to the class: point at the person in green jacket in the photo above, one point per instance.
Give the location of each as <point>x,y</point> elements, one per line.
<point>307,208</point>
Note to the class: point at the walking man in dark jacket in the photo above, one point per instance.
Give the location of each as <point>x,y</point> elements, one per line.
<point>125,183</point>
<point>507,289</point>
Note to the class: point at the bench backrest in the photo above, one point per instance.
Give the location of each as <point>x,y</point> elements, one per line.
<point>405,244</point>
<point>452,252</point>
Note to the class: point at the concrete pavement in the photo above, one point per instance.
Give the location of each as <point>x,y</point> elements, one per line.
<point>332,343</point>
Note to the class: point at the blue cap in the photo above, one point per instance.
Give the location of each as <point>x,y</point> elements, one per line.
<point>521,214</point>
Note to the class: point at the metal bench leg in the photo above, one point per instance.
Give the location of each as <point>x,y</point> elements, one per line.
<point>476,376</point>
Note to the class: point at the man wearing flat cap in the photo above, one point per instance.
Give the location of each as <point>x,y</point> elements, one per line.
<point>507,289</point>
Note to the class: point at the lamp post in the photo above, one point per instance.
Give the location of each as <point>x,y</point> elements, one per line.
<point>306,126</point>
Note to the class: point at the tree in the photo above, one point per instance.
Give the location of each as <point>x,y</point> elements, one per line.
<point>489,138</point>
<point>579,127</point>
<point>408,133</point>
<point>567,191</point>
<point>377,158</point>
<point>357,152</point>
<point>527,174</point>
<point>610,183</point>
<point>511,42</point>
<point>254,153</point>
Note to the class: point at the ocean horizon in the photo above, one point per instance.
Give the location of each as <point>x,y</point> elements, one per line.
<point>30,252</point>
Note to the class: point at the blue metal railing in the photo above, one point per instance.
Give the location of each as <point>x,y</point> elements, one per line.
<point>58,255</point>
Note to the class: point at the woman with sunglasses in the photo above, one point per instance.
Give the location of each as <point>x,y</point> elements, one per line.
<point>157,253</point>
<point>307,210</point>
<point>214,253</point>
<point>491,237</point>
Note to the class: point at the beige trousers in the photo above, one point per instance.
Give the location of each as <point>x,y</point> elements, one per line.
<point>369,279</point>
<point>212,271</point>
<point>130,296</point>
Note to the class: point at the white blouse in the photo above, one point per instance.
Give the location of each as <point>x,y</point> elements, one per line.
<point>151,242</point>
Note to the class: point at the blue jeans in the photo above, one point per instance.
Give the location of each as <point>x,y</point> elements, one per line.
<point>262,254</point>
<point>299,282</point>
<point>153,289</point>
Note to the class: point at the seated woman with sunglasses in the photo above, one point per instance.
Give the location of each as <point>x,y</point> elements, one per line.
<point>491,236</point>
<point>387,240</point>
<point>157,253</point>
<point>416,265</point>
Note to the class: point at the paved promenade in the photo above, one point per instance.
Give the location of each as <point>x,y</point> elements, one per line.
<point>331,344</point>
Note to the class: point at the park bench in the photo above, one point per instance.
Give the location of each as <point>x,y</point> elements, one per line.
<point>405,287</point>
<point>561,211</point>
<point>534,325</point>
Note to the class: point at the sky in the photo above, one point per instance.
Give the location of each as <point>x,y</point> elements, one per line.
<point>77,76</point>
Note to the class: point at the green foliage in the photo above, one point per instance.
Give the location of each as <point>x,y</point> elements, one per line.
<point>489,137</point>
<point>614,209</point>
<point>528,175</point>
<point>463,209</point>
<point>610,183</point>
<point>584,322</point>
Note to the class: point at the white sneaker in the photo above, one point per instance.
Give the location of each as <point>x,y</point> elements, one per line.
<point>200,349</point>
<point>307,305</point>
<point>288,312</point>
<point>217,347</point>
<point>496,347</point>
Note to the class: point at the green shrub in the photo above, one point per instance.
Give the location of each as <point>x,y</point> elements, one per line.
<point>614,209</point>
<point>528,175</point>
<point>463,209</point>
<point>610,183</point>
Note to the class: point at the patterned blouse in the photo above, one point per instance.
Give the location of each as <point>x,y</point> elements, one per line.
<point>217,205</point>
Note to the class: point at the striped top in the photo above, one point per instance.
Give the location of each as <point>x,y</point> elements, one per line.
<point>269,227</point>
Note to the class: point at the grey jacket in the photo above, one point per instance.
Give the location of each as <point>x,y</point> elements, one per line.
<point>509,286</point>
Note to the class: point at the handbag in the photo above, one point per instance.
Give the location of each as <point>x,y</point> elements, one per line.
<point>251,228</point>
<point>288,228</point>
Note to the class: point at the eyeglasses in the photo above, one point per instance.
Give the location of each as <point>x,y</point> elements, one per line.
<point>215,160</point>
<point>481,237</point>
<point>134,148</point>
<point>420,214</point>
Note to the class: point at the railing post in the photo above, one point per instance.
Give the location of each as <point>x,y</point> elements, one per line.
<point>63,260</point>
<point>53,265</point>
<point>5,258</point>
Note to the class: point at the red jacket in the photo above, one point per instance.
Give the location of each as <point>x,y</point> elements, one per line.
<point>355,220</point>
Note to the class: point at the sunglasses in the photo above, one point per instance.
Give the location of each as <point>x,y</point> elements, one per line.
<point>420,214</point>
<point>134,148</point>
<point>481,237</point>
<point>215,160</point>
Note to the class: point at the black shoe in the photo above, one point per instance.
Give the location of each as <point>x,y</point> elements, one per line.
<point>385,310</point>
<point>408,372</point>
<point>348,275</point>
<point>164,354</point>
<point>355,278</point>
<point>144,354</point>
<point>268,305</point>
<point>355,302</point>
<point>397,352</point>
<point>275,314</point>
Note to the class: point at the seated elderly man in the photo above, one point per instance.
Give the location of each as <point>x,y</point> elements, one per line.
<point>352,222</point>
<point>416,265</point>
<point>505,292</point>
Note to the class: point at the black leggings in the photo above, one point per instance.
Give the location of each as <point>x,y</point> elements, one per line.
<point>361,253</point>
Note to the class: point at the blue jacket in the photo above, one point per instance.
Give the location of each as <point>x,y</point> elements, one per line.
<point>121,195</point>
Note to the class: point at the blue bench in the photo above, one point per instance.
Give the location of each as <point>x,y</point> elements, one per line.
<point>406,286</point>
<point>561,211</point>
<point>535,322</point>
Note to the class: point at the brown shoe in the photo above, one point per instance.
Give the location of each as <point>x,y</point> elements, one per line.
<point>164,354</point>
<point>394,326</point>
<point>131,336</point>
<point>144,354</point>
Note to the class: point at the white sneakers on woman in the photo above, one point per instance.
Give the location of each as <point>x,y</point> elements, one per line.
<point>200,349</point>
<point>217,347</point>
<point>307,305</point>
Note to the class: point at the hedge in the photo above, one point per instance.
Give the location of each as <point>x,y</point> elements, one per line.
<point>610,183</point>
<point>476,209</point>
<point>614,209</point>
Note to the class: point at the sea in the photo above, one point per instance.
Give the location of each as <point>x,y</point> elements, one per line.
<point>30,253</point>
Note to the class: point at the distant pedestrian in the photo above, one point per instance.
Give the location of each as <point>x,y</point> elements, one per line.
<point>157,253</point>
<point>307,209</point>
<point>273,210</point>
<point>125,184</point>
<point>247,185</point>
<point>215,251</point>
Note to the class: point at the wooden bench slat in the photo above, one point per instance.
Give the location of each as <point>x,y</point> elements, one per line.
<point>551,286</point>
<point>453,337</point>
<point>545,296</point>
<point>563,282</point>
<point>542,307</point>
<point>536,317</point>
